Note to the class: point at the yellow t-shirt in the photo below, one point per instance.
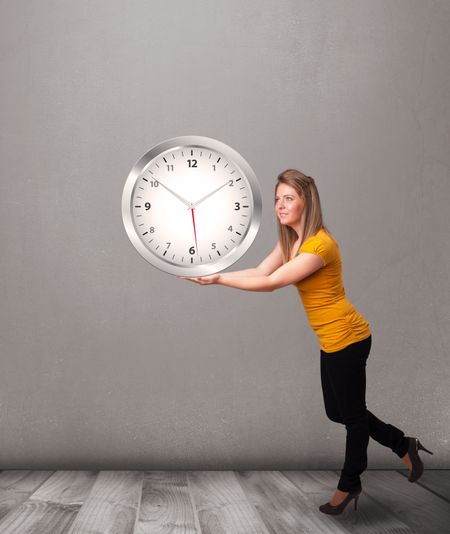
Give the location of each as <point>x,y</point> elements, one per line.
<point>334,319</point>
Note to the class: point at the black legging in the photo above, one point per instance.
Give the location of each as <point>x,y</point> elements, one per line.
<point>343,376</point>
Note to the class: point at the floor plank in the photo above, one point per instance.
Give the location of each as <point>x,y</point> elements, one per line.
<point>66,487</point>
<point>37,517</point>
<point>221,504</point>
<point>16,486</point>
<point>54,505</point>
<point>112,505</point>
<point>166,505</point>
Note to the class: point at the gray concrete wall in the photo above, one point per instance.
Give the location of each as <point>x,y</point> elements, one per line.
<point>107,362</point>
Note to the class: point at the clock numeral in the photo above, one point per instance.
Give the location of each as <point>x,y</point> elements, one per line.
<point>192,162</point>
<point>238,207</point>
<point>168,243</point>
<point>214,167</point>
<point>169,167</point>
<point>148,205</point>
<point>231,184</point>
<point>155,183</point>
<point>230,228</point>
<point>152,229</point>
<point>213,246</point>
<point>192,250</point>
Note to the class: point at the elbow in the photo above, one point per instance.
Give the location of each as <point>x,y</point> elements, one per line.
<point>272,284</point>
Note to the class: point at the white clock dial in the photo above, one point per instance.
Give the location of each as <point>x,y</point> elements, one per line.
<point>191,206</point>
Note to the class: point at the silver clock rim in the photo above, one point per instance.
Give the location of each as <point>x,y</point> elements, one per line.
<point>198,142</point>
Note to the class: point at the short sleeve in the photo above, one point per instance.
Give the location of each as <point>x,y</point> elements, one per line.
<point>320,247</point>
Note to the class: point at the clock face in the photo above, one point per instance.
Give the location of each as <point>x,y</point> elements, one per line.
<point>191,206</point>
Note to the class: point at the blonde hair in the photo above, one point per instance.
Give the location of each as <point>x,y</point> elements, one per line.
<point>307,190</point>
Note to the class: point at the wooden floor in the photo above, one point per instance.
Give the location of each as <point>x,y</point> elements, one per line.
<point>218,502</point>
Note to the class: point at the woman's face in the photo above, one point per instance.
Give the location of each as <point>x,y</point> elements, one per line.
<point>288,205</point>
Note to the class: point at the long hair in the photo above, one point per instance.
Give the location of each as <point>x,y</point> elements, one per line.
<point>307,190</point>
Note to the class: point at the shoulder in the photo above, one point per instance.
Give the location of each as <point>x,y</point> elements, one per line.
<point>323,244</point>
<point>321,237</point>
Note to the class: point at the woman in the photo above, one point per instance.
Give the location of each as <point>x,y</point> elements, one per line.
<point>308,256</point>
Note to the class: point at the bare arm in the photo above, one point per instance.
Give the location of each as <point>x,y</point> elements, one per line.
<point>245,272</point>
<point>267,276</point>
<point>291,272</point>
<point>273,261</point>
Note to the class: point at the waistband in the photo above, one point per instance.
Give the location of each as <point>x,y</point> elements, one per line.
<point>363,343</point>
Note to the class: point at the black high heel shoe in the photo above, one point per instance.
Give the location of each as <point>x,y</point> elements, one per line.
<point>414,446</point>
<point>335,510</point>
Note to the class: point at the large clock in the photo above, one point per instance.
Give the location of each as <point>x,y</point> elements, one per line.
<point>191,206</point>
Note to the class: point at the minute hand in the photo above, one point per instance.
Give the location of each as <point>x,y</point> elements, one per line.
<point>188,204</point>
<point>209,194</point>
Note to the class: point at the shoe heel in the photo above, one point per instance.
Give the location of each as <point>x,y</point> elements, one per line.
<point>420,447</point>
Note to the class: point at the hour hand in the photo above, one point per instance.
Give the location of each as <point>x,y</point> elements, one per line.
<point>188,204</point>
<point>195,204</point>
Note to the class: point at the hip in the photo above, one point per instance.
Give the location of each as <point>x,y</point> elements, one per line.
<point>338,325</point>
<point>359,348</point>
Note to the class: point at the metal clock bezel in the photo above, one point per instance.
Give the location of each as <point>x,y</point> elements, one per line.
<point>192,141</point>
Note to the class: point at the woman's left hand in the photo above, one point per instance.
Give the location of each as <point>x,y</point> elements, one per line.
<point>203,280</point>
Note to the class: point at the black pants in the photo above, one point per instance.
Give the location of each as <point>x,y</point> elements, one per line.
<point>343,376</point>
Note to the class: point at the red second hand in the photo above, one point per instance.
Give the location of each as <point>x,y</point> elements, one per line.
<point>195,233</point>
